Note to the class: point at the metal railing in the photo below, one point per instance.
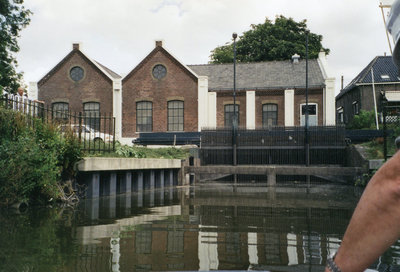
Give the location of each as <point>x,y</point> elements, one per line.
<point>274,145</point>
<point>95,131</point>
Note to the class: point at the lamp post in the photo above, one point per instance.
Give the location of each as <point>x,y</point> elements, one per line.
<point>307,140</point>
<point>234,36</point>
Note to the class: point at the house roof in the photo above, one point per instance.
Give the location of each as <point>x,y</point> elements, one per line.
<point>384,70</point>
<point>109,71</point>
<point>106,71</point>
<point>159,48</point>
<point>261,75</point>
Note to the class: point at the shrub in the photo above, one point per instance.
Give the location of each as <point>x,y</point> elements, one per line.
<point>32,159</point>
<point>364,120</point>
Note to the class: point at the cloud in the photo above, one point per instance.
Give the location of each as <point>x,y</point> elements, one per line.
<point>120,33</point>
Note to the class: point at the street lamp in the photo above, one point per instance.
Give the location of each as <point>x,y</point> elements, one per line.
<point>234,36</point>
<point>307,140</point>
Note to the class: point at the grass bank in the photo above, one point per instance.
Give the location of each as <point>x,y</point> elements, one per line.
<point>125,151</point>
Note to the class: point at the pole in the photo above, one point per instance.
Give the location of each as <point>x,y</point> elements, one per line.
<point>373,90</point>
<point>384,23</point>
<point>234,35</point>
<point>307,140</point>
<point>384,108</point>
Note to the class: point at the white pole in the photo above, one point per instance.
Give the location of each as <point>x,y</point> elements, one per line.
<point>373,89</point>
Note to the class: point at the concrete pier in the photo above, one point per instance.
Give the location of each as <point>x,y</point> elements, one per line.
<point>112,176</point>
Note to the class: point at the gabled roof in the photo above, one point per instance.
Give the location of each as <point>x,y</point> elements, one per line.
<point>109,71</point>
<point>262,75</point>
<point>106,72</point>
<point>384,70</point>
<point>159,48</point>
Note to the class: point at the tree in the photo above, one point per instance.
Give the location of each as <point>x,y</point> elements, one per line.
<point>269,41</point>
<point>13,18</point>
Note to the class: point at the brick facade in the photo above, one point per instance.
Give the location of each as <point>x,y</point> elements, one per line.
<point>270,97</point>
<point>315,96</point>
<point>95,86</point>
<point>141,85</point>
<point>226,98</point>
<point>191,85</point>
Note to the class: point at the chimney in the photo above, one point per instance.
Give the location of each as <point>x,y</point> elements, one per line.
<point>295,58</point>
<point>77,46</point>
<point>321,54</point>
<point>159,43</point>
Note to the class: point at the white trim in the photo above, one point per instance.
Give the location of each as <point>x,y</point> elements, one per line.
<point>202,102</point>
<point>117,107</point>
<point>190,70</point>
<point>316,114</point>
<point>378,83</point>
<point>250,109</point>
<point>212,110</point>
<point>80,49</point>
<point>289,107</point>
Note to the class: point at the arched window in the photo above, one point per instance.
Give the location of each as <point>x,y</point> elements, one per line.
<point>269,115</point>
<point>229,112</point>
<point>175,115</point>
<point>144,116</point>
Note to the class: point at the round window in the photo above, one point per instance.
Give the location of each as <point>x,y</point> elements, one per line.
<point>159,71</point>
<point>76,73</point>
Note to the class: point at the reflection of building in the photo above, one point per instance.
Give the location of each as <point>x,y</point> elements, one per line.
<point>161,94</point>
<point>144,233</point>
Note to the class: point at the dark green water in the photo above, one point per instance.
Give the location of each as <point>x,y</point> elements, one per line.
<point>189,228</point>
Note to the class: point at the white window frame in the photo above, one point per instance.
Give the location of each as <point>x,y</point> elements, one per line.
<point>303,118</point>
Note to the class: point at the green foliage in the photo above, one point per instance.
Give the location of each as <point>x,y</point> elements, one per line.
<point>13,18</point>
<point>271,41</point>
<point>129,152</point>
<point>364,120</point>
<point>166,153</point>
<point>144,152</point>
<point>32,159</point>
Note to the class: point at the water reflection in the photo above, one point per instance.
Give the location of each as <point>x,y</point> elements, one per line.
<point>191,228</point>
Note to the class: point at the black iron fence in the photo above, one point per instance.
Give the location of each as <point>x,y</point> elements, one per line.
<point>274,145</point>
<point>95,130</point>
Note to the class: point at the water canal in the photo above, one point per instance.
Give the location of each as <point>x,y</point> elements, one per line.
<point>201,228</point>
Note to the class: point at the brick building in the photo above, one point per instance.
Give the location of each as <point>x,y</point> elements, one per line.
<point>379,77</point>
<point>163,94</point>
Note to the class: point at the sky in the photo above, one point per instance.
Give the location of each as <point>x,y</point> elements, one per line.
<point>119,34</point>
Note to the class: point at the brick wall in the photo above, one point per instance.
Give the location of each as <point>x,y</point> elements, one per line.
<point>178,84</point>
<point>268,96</point>
<point>57,85</point>
<point>226,98</point>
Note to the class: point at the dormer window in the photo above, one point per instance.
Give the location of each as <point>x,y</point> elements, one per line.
<point>385,77</point>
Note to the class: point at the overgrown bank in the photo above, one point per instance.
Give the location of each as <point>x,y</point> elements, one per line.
<point>33,159</point>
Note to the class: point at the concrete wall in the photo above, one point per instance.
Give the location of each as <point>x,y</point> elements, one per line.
<point>115,164</point>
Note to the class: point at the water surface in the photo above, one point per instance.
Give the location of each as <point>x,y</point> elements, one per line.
<point>208,227</point>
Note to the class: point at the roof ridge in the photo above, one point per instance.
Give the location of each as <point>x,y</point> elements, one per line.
<point>368,68</point>
<point>248,62</point>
